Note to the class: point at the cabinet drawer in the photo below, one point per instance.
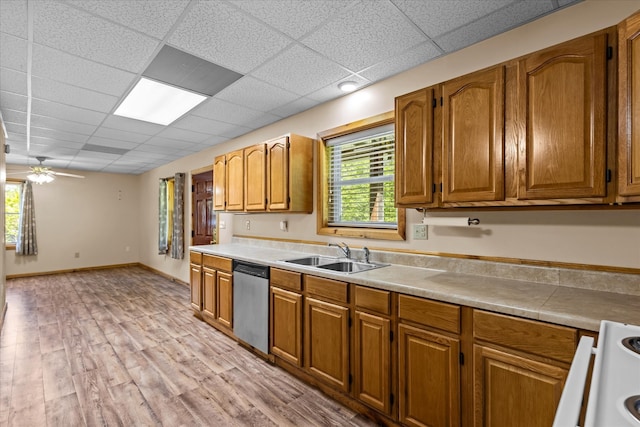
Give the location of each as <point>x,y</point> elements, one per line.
<point>430,313</point>
<point>195,257</point>
<point>555,342</point>
<point>327,288</point>
<point>286,279</point>
<point>373,299</point>
<point>217,263</point>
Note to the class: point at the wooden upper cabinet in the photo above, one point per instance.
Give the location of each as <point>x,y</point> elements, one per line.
<point>255,178</point>
<point>219,183</point>
<point>278,173</point>
<point>473,137</point>
<point>562,106</point>
<point>235,181</point>
<point>629,107</point>
<point>415,172</point>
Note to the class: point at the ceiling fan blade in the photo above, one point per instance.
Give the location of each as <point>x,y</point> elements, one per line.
<point>66,174</point>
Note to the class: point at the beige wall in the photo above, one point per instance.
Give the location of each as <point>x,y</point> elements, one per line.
<point>3,291</point>
<point>592,237</point>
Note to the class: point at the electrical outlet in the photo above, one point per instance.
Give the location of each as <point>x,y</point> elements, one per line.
<point>420,232</point>
<point>247,224</point>
<point>223,225</point>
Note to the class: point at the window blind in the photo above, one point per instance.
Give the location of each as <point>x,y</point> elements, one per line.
<point>361,169</point>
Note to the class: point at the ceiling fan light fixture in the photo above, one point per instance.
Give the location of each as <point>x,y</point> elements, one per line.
<point>40,178</point>
<point>156,102</point>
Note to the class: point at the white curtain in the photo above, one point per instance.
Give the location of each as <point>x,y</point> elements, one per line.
<point>26,243</point>
<point>177,235</point>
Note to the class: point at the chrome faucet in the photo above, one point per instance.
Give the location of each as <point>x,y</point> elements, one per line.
<point>345,249</point>
<point>366,254</point>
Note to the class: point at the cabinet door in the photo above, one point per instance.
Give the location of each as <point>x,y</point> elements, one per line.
<point>473,137</point>
<point>219,183</point>
<point>235,181</point>
<point>415,149</point>
<point>373,361</point>
<point>562,95</point>
<point>327,342</point>
<point>629,106</point>
<point>195,281</point>
<point>514,391</point>
<point>429,378</point>
<point>224,297</point>
<point>286,325</point>
<point>255,183</point>
<point>209,293</point>
<point>278,174</point>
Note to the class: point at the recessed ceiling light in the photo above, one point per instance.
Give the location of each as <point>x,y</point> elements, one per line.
<point>156,102</point>
<point>348,86</point>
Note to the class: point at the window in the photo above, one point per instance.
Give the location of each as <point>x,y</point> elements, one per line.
<point>13,192</point>
<point>357,186</point>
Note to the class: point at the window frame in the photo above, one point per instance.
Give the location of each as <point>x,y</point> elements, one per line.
<point>11,246</point>
<point>323,227</point>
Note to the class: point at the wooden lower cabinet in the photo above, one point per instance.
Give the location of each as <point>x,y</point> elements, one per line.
<point>514,391</point>
<point>286,325</point>
<point>208,293</point>
<point>224,297</point>
<point>326,342</point>
<point>195,281</point>
<point>429,378</point>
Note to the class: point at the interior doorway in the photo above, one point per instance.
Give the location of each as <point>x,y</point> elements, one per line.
<point>204,224</point>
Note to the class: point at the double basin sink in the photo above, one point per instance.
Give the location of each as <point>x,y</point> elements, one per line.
<point>340,265</point>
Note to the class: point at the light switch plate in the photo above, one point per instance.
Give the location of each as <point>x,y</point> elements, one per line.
<point>420,232</point>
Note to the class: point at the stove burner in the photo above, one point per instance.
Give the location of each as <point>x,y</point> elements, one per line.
<point>632,343</point>
<point>633,406</point>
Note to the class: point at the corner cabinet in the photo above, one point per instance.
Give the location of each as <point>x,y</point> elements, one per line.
<point>629,109</point>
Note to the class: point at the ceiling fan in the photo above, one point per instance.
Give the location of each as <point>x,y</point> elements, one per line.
<point>41,174</point>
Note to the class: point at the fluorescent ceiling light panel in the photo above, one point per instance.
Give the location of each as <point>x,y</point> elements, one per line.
<point>156,102</point>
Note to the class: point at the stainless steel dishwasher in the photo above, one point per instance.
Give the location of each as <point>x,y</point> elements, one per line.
<point>251,304</point>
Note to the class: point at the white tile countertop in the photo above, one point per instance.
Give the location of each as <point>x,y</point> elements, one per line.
<point>525,291</point>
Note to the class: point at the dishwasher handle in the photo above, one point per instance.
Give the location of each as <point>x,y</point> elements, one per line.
<point>251,269</point>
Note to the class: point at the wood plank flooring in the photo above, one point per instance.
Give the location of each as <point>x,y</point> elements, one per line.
<point>120,347</point>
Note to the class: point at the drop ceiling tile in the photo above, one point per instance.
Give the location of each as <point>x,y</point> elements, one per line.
<point>49,141</point>
<point>111,143</point>
<point>263,120</point>
<point>409,59</point>
<point>152,17</point>
<point>147,151</point>
<point>96,157</point>
<point>120,135</point>
<point>13,81</point>
<point>158,142</point>
<point>132,125</point>
<point>428,15</point>
<point>300,70</point>
<point>63,67</point>
<point>375,31</point>
<point>14,116</point>
<point>333,91</point>
<point>236,132</point>
<point>204,126</point>
<point>220,33</point>
<point>13,54</point>
<point>295,107</point>
<point>122,169</point>
<point>223,111</point>
<point>66,112</point>
<point>80,33</point>
<point>255,94</point>
<point>183,135</point>
<point>63,93</point>
<point>293,17</point>
<point>58,135</point>
<point>13,17</point>
<point>498,22</point>
<point>61,125</point>
<point>15,128</point>
<point>213,140</point>
<point>12,101</point>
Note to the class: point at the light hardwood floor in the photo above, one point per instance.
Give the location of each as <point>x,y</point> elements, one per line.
<point>120,347</point>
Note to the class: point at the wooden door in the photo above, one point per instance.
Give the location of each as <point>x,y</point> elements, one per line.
<point>326,338</point>
<point>429,378</point>
<point>372,371</point>
<point>224,298</point>
<point>513,391</point>
<point>204,217</point>
<point>235,180</point>
<point>415,174</point>
<point>219,183</point>
<point>208,293</point>
<point>195,282</point>
<point>255,183</point>
<point>629,107</point>
<point>278,174</point>
<point>286,325</point>
<point>562,93</point>
<point>473,137</point>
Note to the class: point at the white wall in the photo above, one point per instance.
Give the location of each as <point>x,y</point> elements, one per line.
<point>82,216</point>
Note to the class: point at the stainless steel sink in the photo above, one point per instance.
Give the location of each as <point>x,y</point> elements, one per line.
<point>312,261</point>
<point>341,265</point>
